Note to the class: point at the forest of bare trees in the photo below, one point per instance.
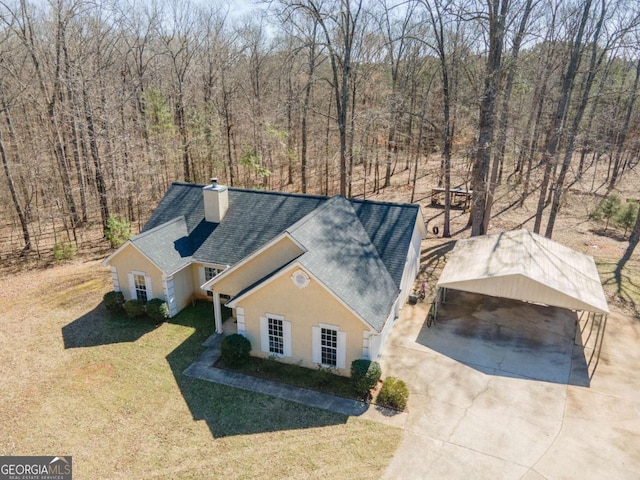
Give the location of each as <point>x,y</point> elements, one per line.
<point>104,104</point>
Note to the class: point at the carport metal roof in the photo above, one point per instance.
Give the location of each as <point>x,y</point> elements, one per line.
<point>524,266</point>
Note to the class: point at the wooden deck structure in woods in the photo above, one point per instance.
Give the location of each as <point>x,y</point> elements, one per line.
<point>458,197</point>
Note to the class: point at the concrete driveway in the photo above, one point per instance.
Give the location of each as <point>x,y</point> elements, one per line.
<point>499,390</point>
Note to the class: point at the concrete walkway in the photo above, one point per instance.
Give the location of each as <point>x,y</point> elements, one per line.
<point>202,369</point>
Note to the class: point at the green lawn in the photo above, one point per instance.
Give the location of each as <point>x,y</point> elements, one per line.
<point>110,392</point>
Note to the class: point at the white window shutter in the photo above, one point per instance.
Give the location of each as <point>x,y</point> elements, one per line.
<point>341,359</point>
<point>147,285</point>
<point>132,287</point>
<point>316,355</point>
<point>264,334</point>
<point>286,331</point>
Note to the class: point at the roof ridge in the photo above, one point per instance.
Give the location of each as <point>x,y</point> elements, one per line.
<point>313,213</point>
<point>304,195</point>
<point>383,202</point>
<point>158,227</point>
<point>329,203</point>
<point>254,190</point>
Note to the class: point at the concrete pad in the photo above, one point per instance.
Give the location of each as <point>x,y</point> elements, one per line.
<point>505,390</point>
<point>521,434</point>
<point>506,338</point>
<point>533,475</point>
<point>589,450</point>
<point>439,460</point>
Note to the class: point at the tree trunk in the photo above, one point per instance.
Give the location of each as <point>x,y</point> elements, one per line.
<point>95,155</point>
<point>479,200</point>
<point>305,109</point>
<point>14,195</point>
<point>594,64</point>
<point>625,130</point>
<point>633,242</point>
<point>503,122</point>
<point>559,119</point>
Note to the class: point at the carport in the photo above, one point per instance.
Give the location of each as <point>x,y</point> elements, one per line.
<point>524,266</point>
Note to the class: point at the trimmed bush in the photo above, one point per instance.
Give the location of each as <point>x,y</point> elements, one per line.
<point>394,394</point>
<point>134,308</point>
<point>114,301</point>
<point>364,376</point>
<point>157,309</point>
<point>234,350</point>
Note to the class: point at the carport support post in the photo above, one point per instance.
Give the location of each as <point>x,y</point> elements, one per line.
<point>436,303</point>
<point>217,312</point>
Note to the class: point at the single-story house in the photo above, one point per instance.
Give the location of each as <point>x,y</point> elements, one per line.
<point>310,279</point>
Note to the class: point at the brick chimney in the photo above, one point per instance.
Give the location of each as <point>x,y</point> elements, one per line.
<point>216,201</point>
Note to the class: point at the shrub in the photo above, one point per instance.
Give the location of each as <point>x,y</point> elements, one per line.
<point>64,251</point>
<point>394,393</point>
<point>157,309</point>
<point>607,209</point>
<point>134,308</point>
<point>118,231</point>
<point>364,376</point>
<point>626,216</point>
<point>114,301</point>
<point>234,350</point>
<point>323,377</point>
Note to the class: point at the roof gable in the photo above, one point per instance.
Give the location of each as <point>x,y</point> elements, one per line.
<point>293,265</point>
<point>168,245</point>
<point>340,254</point>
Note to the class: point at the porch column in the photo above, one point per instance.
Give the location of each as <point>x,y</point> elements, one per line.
<point>217,312</point>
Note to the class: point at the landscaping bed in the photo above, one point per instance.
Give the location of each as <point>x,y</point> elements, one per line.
<point>321,379</point>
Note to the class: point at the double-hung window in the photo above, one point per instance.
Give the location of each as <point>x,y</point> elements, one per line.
<point>276,336</point>
<point>329,346</point>
<point>210,272</point>
<point>140,286</point>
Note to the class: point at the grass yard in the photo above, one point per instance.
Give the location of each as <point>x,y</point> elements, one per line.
<point>623,293</point>
<point>110,392</point>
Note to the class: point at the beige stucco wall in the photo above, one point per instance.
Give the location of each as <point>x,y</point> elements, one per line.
<point>198,280</point>
<point>183,287</point>
<point>130,259</point>
<point>194,270</point>
<point>277,255</point>
<point>304,308</point>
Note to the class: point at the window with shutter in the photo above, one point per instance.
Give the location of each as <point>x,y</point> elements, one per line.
<point>140,285</point>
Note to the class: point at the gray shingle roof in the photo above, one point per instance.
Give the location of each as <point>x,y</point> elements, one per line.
<point>254,218</point>
<point>356,248</point>
<point>340,254</point>
<point>390,227</point>
<point>167,245</point>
